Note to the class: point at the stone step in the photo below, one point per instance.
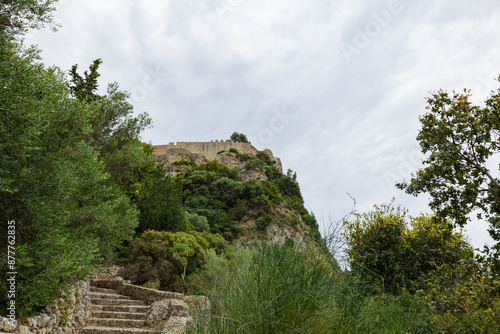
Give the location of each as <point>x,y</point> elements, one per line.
<point>102,290</point>
<point>120,323</point>
<point>116,330</point>
<point>120,308</point>
<point>119,315</point>
<point>99,301</point>
<point>108,295</point>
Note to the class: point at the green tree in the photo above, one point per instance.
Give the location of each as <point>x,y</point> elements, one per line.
<point>384,248</point>
<point>115,131</point>
<point>68,212</point>
<point>165,257</point>
<point>460,140</point>
<point>84,88</point>
<point>239,137</point>
<point>111,115</point>
<point>17,16</point>
<point>160,205</point>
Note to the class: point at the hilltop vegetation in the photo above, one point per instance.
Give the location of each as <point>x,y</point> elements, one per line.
<point>209,207</point>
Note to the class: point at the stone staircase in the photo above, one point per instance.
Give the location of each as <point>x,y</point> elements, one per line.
<point>113,313</point>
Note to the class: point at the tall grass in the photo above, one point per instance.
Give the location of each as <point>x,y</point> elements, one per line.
<point>275,289</point>
<point>282,289</point>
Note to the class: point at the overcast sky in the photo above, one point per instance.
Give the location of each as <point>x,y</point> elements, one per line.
<point>333,88</point>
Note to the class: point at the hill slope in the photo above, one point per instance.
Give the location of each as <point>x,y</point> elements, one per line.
<point>243,196</point>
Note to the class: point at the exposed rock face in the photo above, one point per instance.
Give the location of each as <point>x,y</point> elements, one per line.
<point>287,224</point>
<point>276,161</point>
<point>200,153</point>
<point>230,160</point>
<point>180,154</point>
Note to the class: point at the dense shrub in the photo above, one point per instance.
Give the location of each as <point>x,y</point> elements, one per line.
<point>263,222</point>
<point>198,223</point>
<point>165,257</point>
<point>239,137</point>
<point>184,163</point>
<point>386,313</point>
<point>463,298</point>
<point>384,248</point>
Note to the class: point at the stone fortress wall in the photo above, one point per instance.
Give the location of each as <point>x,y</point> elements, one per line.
<point>207,149</point>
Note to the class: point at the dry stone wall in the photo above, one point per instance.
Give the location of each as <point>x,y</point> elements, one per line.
<point>65,316</point>
<point>169,310</point>
<point>70,312</point>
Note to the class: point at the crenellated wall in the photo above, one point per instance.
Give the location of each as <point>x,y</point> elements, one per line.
<point>207,149</point>
<point>201,152</point>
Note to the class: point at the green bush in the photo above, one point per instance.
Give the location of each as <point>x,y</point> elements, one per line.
<point>239,137</point>
<point>50,265</point>
<point>263,222</point>
<point>384,248</point>
<point>310,220</point>
<point>184,163</point>
<point>165,257</point>
<point>386,313</point>
<point>463,298</point>
<point>198,223</point>
<point>254,163</point>
<point>160,206</point>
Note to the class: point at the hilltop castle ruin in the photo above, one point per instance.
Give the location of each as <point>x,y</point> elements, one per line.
<point>201,152</point>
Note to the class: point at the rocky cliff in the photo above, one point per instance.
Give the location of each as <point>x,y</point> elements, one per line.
<point>201,152</point>
<point>259,200</point>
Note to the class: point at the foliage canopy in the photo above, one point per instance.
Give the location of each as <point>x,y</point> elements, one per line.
<point>239,137</point>
<point>17,16</point>
<point>459,173</point>
<point>54,183</point>
<point>385,249</point>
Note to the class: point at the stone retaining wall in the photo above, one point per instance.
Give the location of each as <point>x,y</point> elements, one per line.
<point>69,313</point>
<point>65,316</point>
<point>136,292</point>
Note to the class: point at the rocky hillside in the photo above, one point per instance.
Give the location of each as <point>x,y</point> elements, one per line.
<point>194,209</point>
<point>244,196</point>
